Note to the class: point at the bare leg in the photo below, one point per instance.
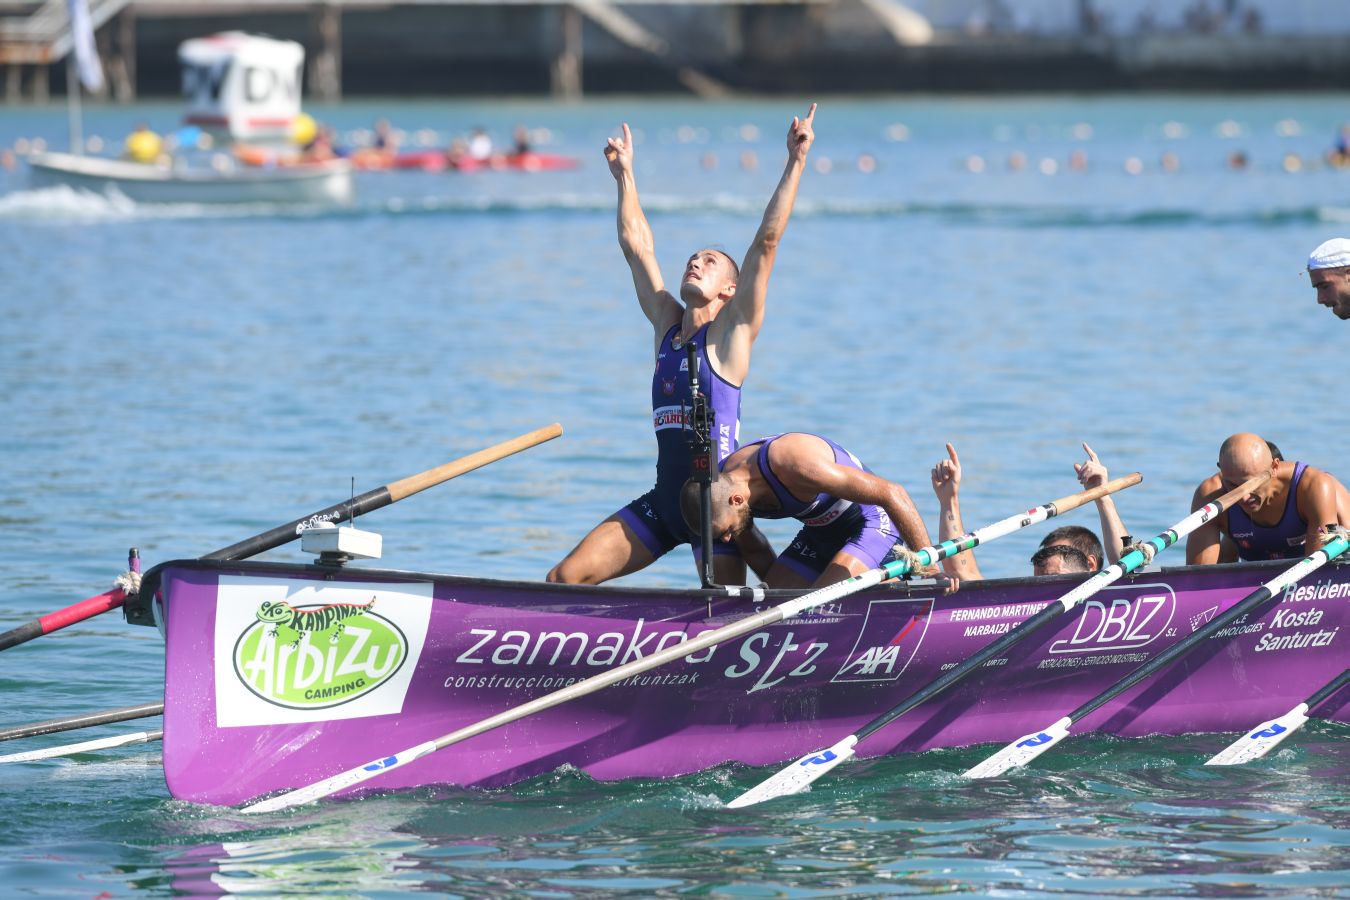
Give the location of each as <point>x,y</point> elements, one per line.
<point>611,550</point>
<point>843,567</point>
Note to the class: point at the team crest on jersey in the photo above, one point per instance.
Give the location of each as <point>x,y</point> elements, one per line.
<point>668,386</point>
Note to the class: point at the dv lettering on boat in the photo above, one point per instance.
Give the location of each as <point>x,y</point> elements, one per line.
<point>766,658</point>
<point>304,652</point>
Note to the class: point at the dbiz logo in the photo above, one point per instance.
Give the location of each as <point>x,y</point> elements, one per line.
<point>1120,624</point>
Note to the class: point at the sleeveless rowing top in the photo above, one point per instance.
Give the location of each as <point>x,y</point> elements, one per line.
<point>823,508</point>
<point>1284,540</point>
<point>670,389</point>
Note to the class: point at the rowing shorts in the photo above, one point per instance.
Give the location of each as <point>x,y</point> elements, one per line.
<point>660,527</point>
<point>864,532</point>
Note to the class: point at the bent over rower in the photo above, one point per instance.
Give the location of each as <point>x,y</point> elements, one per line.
<point>850,517</point>
<point>722,311</point>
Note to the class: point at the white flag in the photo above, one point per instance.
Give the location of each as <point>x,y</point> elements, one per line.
<point>82,40</point>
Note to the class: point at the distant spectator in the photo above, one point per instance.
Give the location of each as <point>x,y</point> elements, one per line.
<point>480,145</point>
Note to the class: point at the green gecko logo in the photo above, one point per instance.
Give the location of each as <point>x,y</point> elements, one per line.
<point>312,657</point>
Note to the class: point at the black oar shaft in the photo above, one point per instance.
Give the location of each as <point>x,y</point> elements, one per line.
<point>86,720</point>
<point>1325,693</point>
<point>284,534</point>
<point>952,676</point>
<point>1248,603</point>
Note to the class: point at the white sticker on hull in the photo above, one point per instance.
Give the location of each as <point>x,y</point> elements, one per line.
<point>301,651</point>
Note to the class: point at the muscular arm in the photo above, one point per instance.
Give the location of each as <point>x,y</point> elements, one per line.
<point>947,484</point>
<point>1093,474</point>
<point>636,242</point>
<point>1208,544</point>
<point>1316,505</point>
<point>734,330</point>
<point>806,466</point>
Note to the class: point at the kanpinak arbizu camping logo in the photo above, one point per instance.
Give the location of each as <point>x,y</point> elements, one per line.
<point>317,656</point>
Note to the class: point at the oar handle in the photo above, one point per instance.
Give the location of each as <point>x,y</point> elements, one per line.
<point>1073,501</point>
<point>413,483</point>
<point>383,496</point>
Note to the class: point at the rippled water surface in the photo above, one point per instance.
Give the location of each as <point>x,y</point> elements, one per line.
<point>180,378</point>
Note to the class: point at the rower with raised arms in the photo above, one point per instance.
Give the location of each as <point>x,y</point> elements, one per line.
<point>721,309</point>
<point>850,517</point>
<point>1291,511</point>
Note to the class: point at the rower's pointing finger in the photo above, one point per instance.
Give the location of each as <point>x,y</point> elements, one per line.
<point>811,115</point>
<point>1091,456</point>
<point>951,453</point>
<point>627,135</point>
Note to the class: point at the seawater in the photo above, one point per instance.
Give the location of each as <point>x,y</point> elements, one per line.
<point>178,378</point>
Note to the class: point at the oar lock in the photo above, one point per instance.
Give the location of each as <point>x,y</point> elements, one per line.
<point>338,545</point>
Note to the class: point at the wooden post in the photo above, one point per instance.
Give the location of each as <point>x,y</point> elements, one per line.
<point>325,70</point>
<point>566,69</point>
<point>122,66</point>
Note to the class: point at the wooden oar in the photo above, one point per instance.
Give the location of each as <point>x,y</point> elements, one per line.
<point>925,557</point>
<point>85,720</point>
<point>282,534</point>
<point>1028,747</point>
<point>121,740</point>
<point>805,771</point>
<point>1268,735</point>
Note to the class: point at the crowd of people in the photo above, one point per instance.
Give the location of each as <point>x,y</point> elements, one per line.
<point>851,518</point>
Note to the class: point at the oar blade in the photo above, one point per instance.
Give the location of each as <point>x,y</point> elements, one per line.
<point>797,777</point>
<point>1261,740</point>
<point>1021,751</point>
<point>341,781</point>
<point>121,740</point>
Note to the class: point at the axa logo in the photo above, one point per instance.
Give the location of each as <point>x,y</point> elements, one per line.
<point>313,657</point>
<point>890,636</point>
<point>1120,624</point>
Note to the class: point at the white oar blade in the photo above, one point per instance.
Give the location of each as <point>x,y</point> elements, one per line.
<point>1261,740</point>
<point>320,789</point>
<point>121,740</point>
<point>797,777</point>
<point>1021,751</point>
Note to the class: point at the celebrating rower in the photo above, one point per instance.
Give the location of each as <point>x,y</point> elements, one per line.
<point>1329,272</point>
<point>1291,511</point>
<point>1070,548</point>
<point>850,517</point>
<point>722,311</point>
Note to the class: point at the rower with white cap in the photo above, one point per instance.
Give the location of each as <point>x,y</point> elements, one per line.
<point>1329,271</point>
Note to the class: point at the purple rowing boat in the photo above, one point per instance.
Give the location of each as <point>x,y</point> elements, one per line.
<point>278,675</point>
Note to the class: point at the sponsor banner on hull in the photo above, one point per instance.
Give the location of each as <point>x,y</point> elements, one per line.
<point>297,651</point>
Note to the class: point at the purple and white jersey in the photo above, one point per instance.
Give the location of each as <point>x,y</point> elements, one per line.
<point>1283,540</point>
<point>672,402</point>
<point>821,510</point>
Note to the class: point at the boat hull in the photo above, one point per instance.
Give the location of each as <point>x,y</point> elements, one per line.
<point>327,183</point>
<point>252,706</point>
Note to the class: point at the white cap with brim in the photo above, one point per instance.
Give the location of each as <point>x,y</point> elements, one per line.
<point>1334,254</point>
